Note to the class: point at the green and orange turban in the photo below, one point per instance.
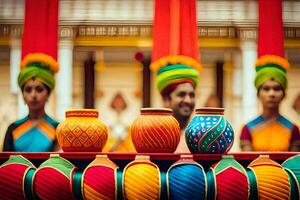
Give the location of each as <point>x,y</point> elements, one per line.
<point>175,52</point>
<point>42,67</point>
<point>39,42</point>
<point>271,63</point>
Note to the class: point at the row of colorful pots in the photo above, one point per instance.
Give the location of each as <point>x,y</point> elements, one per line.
<point>154,131</point>
<point>57,178</point>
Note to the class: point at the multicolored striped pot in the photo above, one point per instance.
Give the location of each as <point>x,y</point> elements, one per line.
<point>82,131</point>
<point>231,179</point>
<point>53,179</point>
<point>99,179</point>
<point>186,179</point>
<point>209,132</point>
<point>268,180</point>
<point>292,166</point>
<point>16,178</point>
<point>141,179</point>
<point>155,131</point>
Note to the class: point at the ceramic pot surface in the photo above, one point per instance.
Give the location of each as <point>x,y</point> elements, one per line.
<point>155,131</point>
<point>82,131</point>
<point>209,132</point>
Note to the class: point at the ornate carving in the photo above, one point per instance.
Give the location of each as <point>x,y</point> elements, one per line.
<point>66,32</point>
<point>142,30</point>
<point>5,30</point>
<point>115,30</point>
<point>247,33</point>
<point>222,32</point>
<point>291,32</point>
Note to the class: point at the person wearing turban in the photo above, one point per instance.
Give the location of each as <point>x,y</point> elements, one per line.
<point>270,131</point>
<point>175,59</point>
<point>37,131</point>
<point>176,84</point>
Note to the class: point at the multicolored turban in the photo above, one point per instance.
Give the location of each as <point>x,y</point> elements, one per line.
<point>39,42</point>
<point>271,63</point>
<point>175,52</point>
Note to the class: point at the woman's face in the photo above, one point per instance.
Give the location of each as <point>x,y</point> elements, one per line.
<point>271,94</point>
<point>35,94</point>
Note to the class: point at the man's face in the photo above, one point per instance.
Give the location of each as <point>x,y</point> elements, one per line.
<point>182,100</point>
<point>270,94</point>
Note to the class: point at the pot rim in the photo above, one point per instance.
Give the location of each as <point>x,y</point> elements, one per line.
<point>167,111</point>
<point>82,113</point>
<point>210,110</point>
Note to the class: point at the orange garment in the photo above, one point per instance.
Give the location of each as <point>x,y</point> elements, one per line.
<point>276,134</point>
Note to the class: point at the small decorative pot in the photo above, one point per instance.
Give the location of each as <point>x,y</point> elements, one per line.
<point>231,181</point>
<point>53,179</point>
<point>292,167</point>
<point>209,132</point>
<point>16,176</point>
<point>82,131</point>
<point>186,179</point>
<point>155,131</point>
<point>141,179</point>
<point>268,179</point>
<point>99,179</point>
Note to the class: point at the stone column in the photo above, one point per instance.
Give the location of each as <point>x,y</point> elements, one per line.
<point>15,60</point>
<point>63,86</point>
<point>249,55</point>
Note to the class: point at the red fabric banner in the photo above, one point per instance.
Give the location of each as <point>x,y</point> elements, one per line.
<point>189,32</point>
<point>175,29</point>
<point>40,27</point>
<point>270,32</point>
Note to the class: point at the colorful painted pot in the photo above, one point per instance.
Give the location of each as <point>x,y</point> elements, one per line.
<point>141,179</point>
<point>209,132</point>
<point>53,179</point>
<point>186,179</point>
<point>294,185</point>
<point>82,131</point>
<point>155,131</point>
<point>292,166</point>
<point>99,179</point>
<point>268,180</point>
<point>231,179</point>
<point>16,176</point>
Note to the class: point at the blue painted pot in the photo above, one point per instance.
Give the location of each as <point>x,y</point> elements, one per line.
<point>209,132</point>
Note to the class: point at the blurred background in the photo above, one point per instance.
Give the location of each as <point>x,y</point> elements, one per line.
<point>105,51</point>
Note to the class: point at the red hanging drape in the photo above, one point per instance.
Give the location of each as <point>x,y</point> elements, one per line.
<point>270,32</point>
<point>40,27</point>
<point>175,29</point>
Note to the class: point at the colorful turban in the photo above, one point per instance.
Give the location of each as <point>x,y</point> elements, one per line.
<point>41,67</point>
<point>271,67</point>
<point>271,63</point>
<point>39,42</point>
<point>170,76</point>
<point>175,52</point>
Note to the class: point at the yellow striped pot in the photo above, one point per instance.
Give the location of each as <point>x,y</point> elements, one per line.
<point>268,179</point>
<point>141,179</point>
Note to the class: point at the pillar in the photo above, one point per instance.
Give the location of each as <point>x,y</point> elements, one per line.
<point>15,60</point>
<point>63,86</point>
<point>249,97</point>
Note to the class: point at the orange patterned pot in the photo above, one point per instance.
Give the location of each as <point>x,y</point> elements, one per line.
<point>155,131</point>
<point>82,131</point>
